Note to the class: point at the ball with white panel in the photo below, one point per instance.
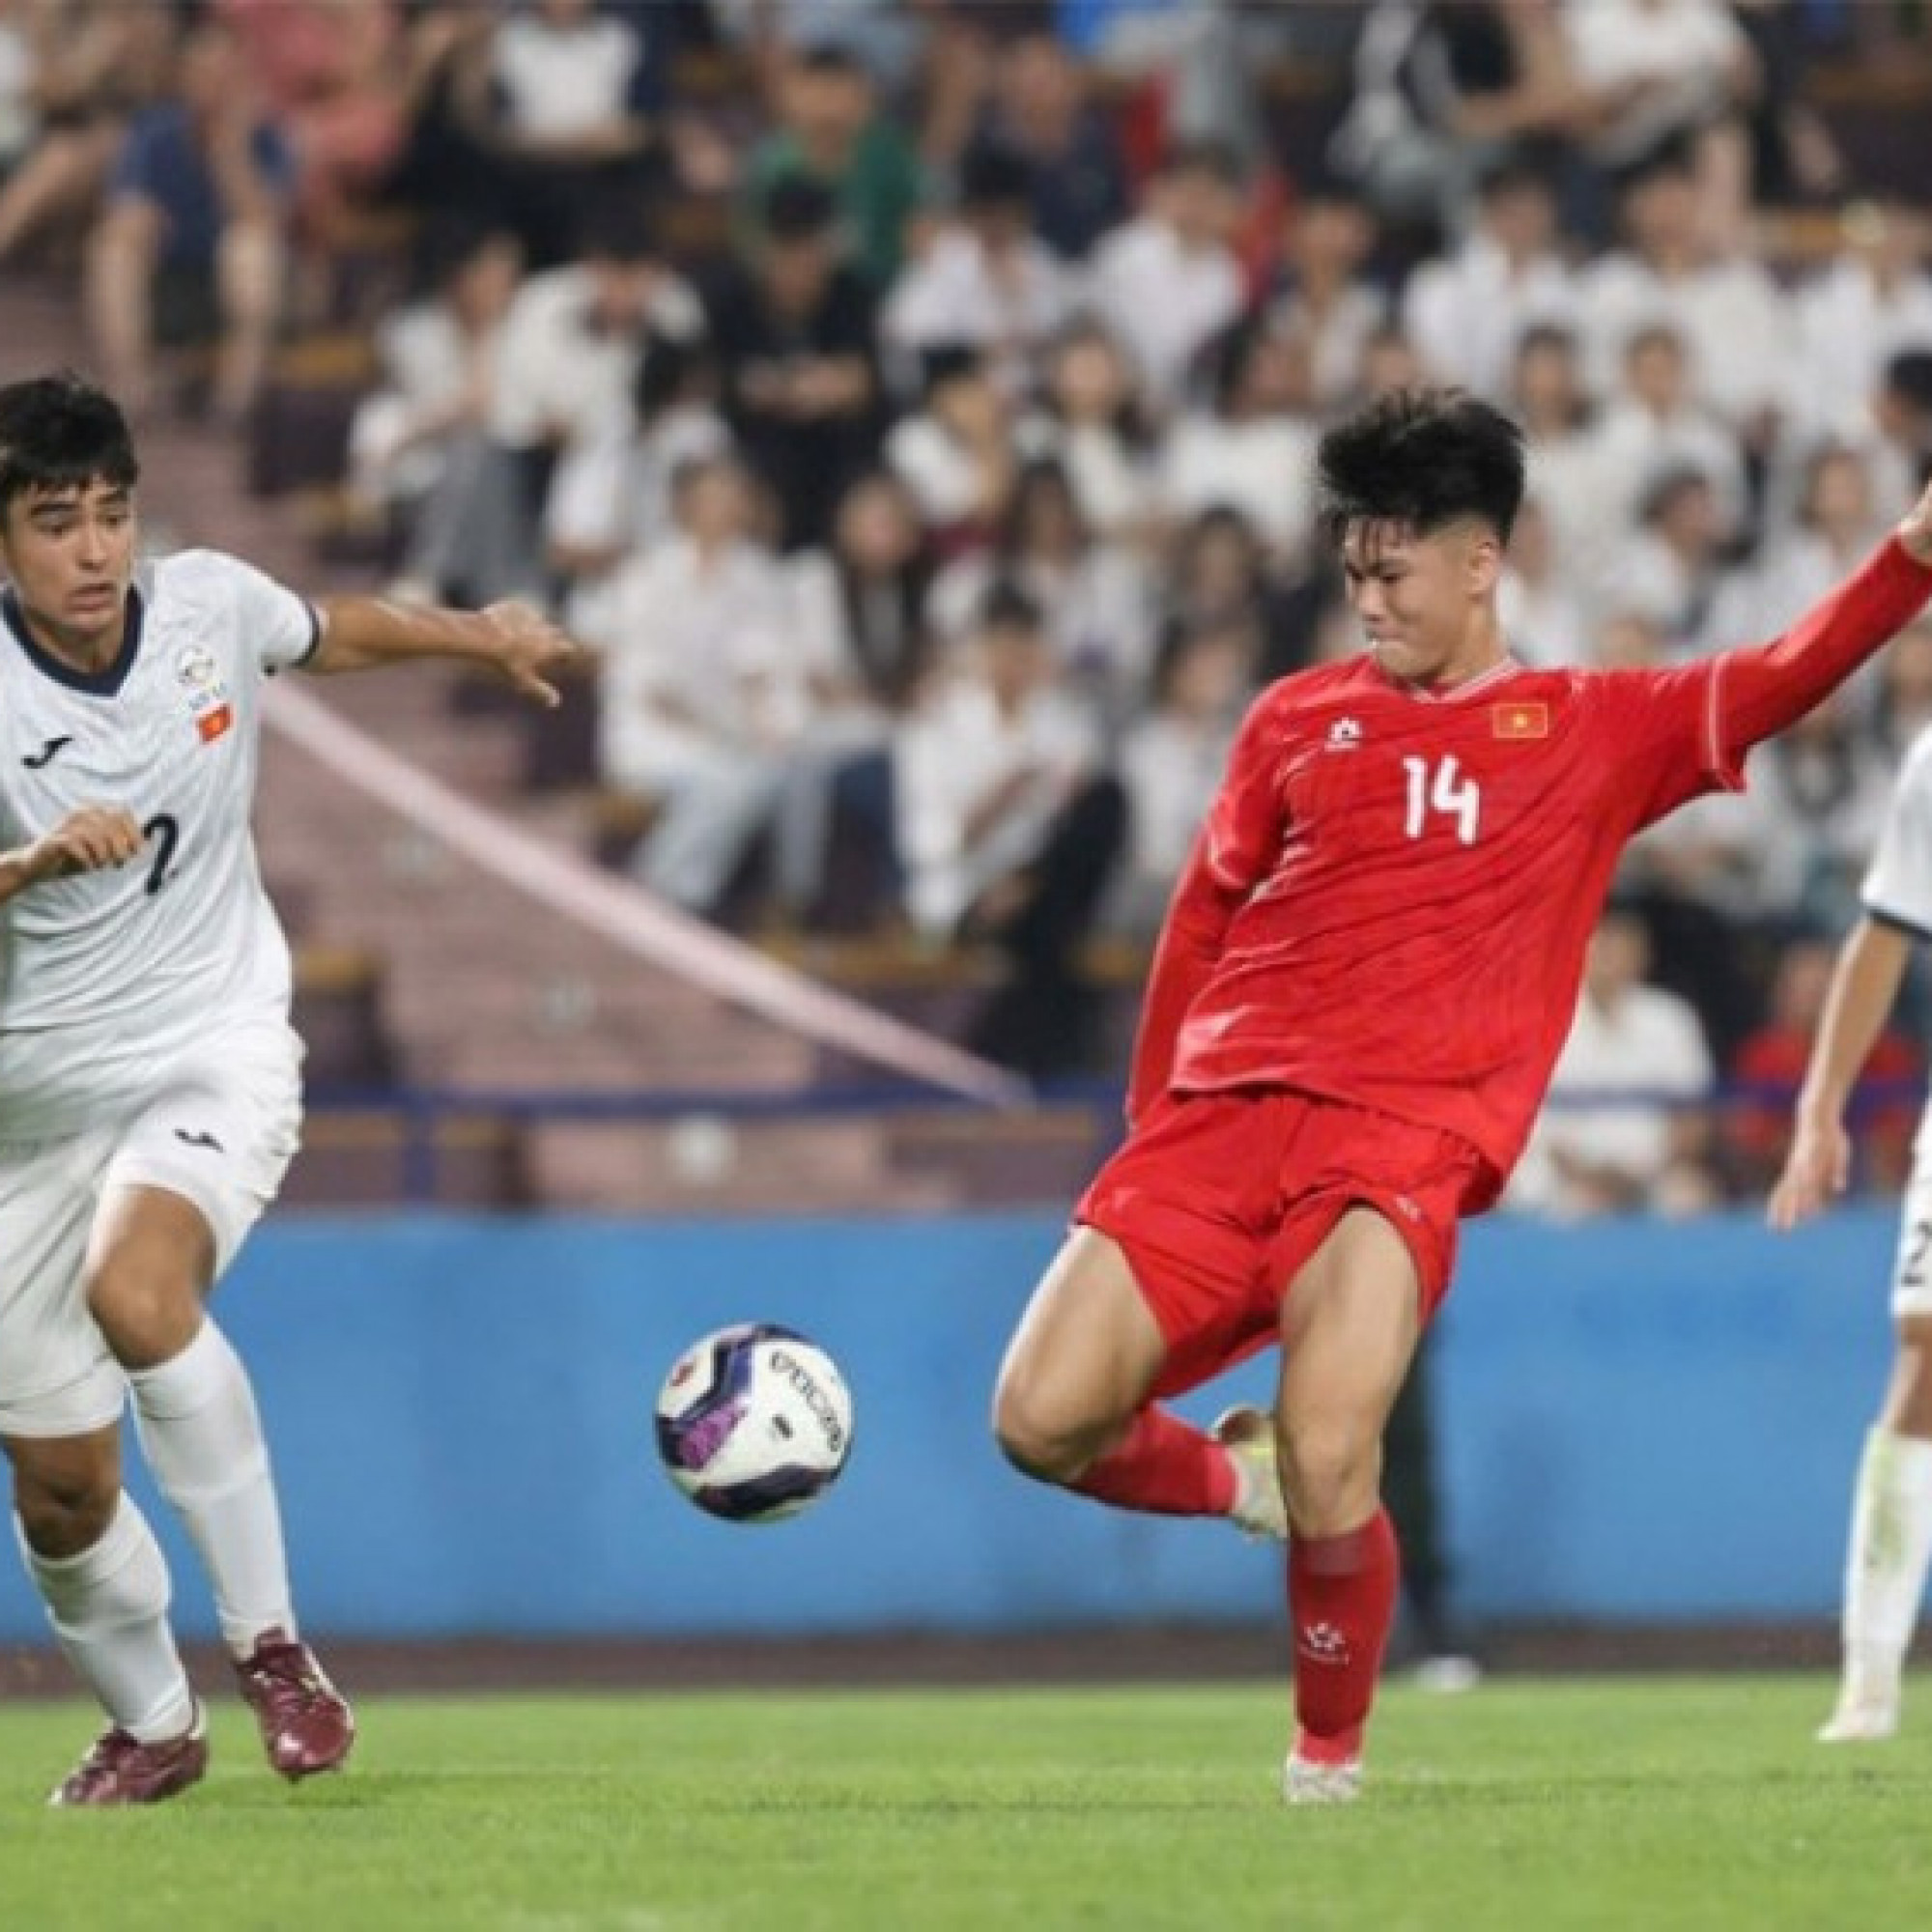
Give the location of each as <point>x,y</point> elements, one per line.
<point>755,1422</point>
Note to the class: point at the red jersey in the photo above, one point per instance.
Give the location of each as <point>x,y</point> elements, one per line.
<point>1391,900</point>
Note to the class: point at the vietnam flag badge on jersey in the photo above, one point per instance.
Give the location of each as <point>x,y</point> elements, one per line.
<point>210,725</point>
<point>1523,720</point>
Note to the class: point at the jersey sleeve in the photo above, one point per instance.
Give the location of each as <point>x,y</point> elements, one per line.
<point>276,629</point>
<point>1897,887</point>
<point>1233,854</point>
<point>1665,729</point>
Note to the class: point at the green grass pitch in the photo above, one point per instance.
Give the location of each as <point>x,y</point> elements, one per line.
<point>1657,1802</point>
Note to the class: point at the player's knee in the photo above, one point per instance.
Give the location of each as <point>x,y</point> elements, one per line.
<point>1033,1440</point>
<point>147,1310</point>
<point>67,1510</point>
<point>1329,1473</point>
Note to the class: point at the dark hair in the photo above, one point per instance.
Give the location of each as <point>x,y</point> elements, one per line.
<point>617,225</point>
<point>993,174</point>
<point>671,370</point>
<point>1909,378</point>
<point>832,59</point>
<point>60,432</point>
<point>1036,477</point>
<point>1424,457</point>
<point>798,208</point>
<point>1006,607</point>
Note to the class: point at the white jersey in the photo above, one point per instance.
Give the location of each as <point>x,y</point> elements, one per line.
<point>109,978</point>
<point>1898,888</point>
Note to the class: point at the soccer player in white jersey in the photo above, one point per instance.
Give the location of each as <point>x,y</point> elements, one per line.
<point>1891,1505</point>
<point>149,1083</point>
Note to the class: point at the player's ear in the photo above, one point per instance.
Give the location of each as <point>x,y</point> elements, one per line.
<point>1484,563</point>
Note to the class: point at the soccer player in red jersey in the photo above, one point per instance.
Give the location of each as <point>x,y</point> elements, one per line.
<point>1366,973</point>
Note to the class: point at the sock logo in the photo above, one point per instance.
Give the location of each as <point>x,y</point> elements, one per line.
<point>199,1138</point>
<point>1324,1643</point>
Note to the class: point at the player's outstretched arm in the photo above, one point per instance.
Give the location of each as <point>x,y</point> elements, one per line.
<point>1871,964</point>
<point>1763,687</point>
<point>518,643</point>
<point>86,840</point>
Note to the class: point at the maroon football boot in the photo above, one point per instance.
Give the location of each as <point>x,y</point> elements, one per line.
<point>121,1770</point>
<point>306,1723</point>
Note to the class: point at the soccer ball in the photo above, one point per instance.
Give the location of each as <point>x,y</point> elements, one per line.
<point>754,1422</point>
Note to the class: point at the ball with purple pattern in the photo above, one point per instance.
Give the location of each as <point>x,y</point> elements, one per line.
<point>754,1422</point>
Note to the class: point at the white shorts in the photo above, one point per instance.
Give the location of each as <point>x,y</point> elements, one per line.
<point>1912,1268</point>
<point>219,1130</point>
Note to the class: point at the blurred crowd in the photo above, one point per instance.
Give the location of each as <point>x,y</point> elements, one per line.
<point>914,404</point>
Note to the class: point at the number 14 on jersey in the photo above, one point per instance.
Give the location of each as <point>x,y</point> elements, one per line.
<point>1440,786</point>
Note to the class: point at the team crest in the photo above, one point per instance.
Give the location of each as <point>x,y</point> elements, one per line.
<point>207,700</point>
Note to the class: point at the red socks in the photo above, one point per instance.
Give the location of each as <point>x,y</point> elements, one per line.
<point>1341,1594</point>
<point>1164,1467</point>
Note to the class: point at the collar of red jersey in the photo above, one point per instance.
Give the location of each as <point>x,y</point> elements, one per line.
<point>1487,680</point>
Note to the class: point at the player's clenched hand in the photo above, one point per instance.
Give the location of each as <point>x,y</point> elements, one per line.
<point>1815,1171</point>
<point>87,841</point>
<point>530,651</point>
<point>1916,531</point>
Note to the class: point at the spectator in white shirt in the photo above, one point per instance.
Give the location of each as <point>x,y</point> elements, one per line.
<point>859,617</point>
<point>573,335</point>
<point>413,443</point>
<point>1009,828</point>
<point>610,495</point>
<point>1089,420</point>
<point>1093,599</point>
<point>1836,527</point>
<point>1548,396</point>
<point>566,362</point>
<point>1250,451</point>
<point>702,692</point>
<point>1544,616</point>
<point>1325,308</point>
<point>955,456</point>
<point>1467,311</point>
<point>572,91</point>
<point>1736,325</point>
<point>1674,566</point>
<point>983,280</point>
<point>1870,302</point>
<point>1172,761</point>
<point>1622,1132</point>
<point>1656,426</point>
<point>1663,68</point>
<point>1167,281</point>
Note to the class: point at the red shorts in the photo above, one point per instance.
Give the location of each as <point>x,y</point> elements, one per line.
<point>1219,1201</point>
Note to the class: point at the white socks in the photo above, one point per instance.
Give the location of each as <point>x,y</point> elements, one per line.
<point>1884,1569</point>
<point>203,1438</point>
<point>109,1609</point>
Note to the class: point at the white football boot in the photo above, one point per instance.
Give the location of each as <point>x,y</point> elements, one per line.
<point>1865,1716</point>
<point>1247,1435</point>
<point>1307,1782</point>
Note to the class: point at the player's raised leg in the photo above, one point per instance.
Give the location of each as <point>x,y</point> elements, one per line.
<point>101,1575</point>
<point>1072,1403</point>
<point>1349,1325</point>
<point>152,1262</point>
<point>1891,1545</point>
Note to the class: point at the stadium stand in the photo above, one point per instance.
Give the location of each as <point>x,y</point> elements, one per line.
<point>444,415</point>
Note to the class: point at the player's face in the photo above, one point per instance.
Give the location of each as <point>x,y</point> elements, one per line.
<point>71,555</point>
<point>1425,604</point>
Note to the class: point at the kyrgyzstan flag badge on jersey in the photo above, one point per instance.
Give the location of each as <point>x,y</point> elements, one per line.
<point>1523,720</point>
<point>207,700</point>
